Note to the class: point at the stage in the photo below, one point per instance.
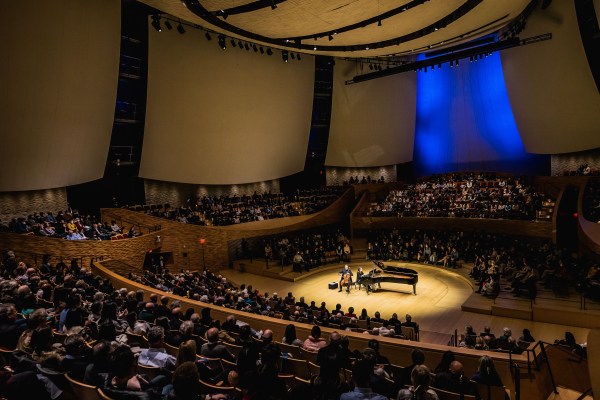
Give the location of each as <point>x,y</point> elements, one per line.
<point>436,307</point>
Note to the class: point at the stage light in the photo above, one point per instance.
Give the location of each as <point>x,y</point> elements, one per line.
<point>233,44</point>
<point>293,56</point>
<point>222,43</point>
<point>240,44</point>
<point>208,37</point>
<point>223,14</point>
<point>298,56</point>
<point>255,48</point>
<point>284,55</point>
<point>156,23</point>
<point>273,5</point>
<point>315,48</point>
<point>180,29</point>
<point>379,23</point>
<point>262,51</point>
<point>246,46</point>
<point>269,52</point>
<point>168,24</point>
<point>371,67</point>
<point>330,37</point>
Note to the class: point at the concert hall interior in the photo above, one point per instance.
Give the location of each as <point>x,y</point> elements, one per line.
<point>335,188</point>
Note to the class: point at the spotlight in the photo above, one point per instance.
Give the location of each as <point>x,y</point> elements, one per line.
<point>371,67</point>
<point>223,14</point>
<point>330,37</point>
<point>222,43</point>
<point>379,23</point>
<point>293,56</point>
<point>246,46</point>
<point>240,44</point>
<point>180,29</point>
<point>255,48</point>
<point>315,48</point>
<point>284,55</point>
<point>273,5</point>
<point>366,47</point>
<point>233,44</point>
<point>298,56</point>
<point>156,23</point>
<point>262,51</point>
<point>269,52</point>
<point>168,24</point>
<point>208,37</point>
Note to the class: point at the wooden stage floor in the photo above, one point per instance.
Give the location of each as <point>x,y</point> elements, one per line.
<point>436,307</point>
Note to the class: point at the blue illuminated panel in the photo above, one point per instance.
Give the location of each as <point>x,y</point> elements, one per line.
<point>465,122</point>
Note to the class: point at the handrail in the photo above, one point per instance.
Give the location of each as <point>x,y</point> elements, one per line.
<point>35,256</point>
<point>584,394</point>
<point>549,368</point>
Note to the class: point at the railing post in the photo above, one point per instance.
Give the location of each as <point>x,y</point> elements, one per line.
<point>517,378</point>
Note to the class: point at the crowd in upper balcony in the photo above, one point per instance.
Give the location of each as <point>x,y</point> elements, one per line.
<point>69,224</point>
<point>237,209</point>
<point>464,196</point>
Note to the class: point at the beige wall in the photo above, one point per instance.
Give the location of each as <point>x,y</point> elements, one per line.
<point>21,204</point>
<point>373,122</point>
<point>223,117</point>
<point>59,74</point>
<point>176,194</point>
<point>553,96</point>
<point>338,175</point>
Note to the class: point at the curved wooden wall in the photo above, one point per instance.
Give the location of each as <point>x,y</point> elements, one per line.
<point>184,238</point>
<point>131,251</point>
<point>589,232</point>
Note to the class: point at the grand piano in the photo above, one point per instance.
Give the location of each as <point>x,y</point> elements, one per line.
<point>389,273</point>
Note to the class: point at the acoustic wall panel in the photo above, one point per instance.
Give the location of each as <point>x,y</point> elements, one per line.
<point>59,75</point>
<point>555,101</point>
<point>372,122</point>
<point>219,116</point>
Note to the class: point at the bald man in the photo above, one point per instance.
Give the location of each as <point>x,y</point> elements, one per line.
<point>454,380</point>
<point>214,349</point>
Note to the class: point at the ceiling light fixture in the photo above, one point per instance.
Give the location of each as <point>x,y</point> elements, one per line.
<point>330,37</point>
<point>379,23</point>
<point>298,56</point>
<point>222,43</point>
<point>180,29</point>
<point>273,5</point>
<point>269,52</point>
<point>284,55</point>
<point>156,23</point>
<point>168,24</point>
<point>208,37</point>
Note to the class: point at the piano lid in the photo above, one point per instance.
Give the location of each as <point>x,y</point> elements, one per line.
<point>390,269</point>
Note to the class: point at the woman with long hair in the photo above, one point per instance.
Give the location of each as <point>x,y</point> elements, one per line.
<point>486,373</point>
<point>420,378</point>
<point>289,337</point>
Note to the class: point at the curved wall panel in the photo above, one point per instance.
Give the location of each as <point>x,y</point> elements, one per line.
<point>223,117</point>
<point>552,92</point>
<point>59,71</point>
<point>373,122</point>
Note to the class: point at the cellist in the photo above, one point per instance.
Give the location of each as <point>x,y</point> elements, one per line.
<point>346,278</point>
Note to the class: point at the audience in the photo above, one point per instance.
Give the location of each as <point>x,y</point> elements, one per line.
<point>237,209</point>
<point>465,196</point>
<point>68,225</point>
